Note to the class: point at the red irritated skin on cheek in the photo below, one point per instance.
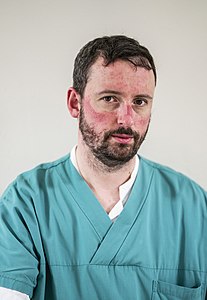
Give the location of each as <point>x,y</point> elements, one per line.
<point>96,117</point>
<point>106,121</point>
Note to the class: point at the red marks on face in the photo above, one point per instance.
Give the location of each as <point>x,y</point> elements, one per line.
<point>118,95</point>
<point>92,115</point>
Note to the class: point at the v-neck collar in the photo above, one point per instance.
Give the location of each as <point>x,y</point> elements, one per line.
<point>111,235</point>
<point>85,198</point>
<point>124,189</point>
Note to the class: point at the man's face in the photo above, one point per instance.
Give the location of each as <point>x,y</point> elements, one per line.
<point>115,110</point>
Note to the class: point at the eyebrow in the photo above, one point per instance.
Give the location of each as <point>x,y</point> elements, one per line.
<point>119,93</point>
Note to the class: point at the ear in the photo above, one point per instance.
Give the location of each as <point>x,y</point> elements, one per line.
<point>73,102</point>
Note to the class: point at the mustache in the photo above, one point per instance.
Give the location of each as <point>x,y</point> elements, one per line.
<point>121,130</point>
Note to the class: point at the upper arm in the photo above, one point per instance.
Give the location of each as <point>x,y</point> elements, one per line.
<point>18,254</point>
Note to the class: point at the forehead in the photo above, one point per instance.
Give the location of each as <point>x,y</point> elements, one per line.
<point>120,74</point>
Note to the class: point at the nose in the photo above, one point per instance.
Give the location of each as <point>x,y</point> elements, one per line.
<point>125,115</point>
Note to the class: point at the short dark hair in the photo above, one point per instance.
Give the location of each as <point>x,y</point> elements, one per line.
<point>110,48</point>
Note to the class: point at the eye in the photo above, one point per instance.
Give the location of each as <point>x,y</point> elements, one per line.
<point>140,102</point>
<point>109,99</point>
<point>108,103</point>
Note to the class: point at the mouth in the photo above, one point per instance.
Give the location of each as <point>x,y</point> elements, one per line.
<point>123,138</point>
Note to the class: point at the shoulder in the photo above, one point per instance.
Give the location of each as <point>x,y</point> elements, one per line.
<point>45,167</point>
<point>31,180</point>
<point>170,178</point>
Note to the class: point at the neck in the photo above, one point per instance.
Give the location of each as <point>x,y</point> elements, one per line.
<point>96,173</point>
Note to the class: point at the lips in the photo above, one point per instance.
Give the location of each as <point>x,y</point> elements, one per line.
<point>123,138</point>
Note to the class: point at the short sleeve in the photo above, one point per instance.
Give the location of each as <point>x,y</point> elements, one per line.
<point>18,239</point>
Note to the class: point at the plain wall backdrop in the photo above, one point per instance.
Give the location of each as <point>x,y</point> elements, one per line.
<point>39,41</point>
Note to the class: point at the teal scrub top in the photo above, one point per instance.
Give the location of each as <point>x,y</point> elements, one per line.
<point>57,242</point>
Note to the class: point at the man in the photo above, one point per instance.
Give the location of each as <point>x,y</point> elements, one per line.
<point>105,223</point>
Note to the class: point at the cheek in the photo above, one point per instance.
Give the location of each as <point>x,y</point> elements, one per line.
<point>142,123</point>
<point>98,119</point>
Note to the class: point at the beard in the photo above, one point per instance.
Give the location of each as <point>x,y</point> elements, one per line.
<point>112,155</point>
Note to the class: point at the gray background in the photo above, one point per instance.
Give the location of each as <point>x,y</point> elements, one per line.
<point>39,40</point>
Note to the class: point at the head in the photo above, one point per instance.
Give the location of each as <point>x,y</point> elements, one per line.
<point>113,84</point>
<point>110,48</point>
